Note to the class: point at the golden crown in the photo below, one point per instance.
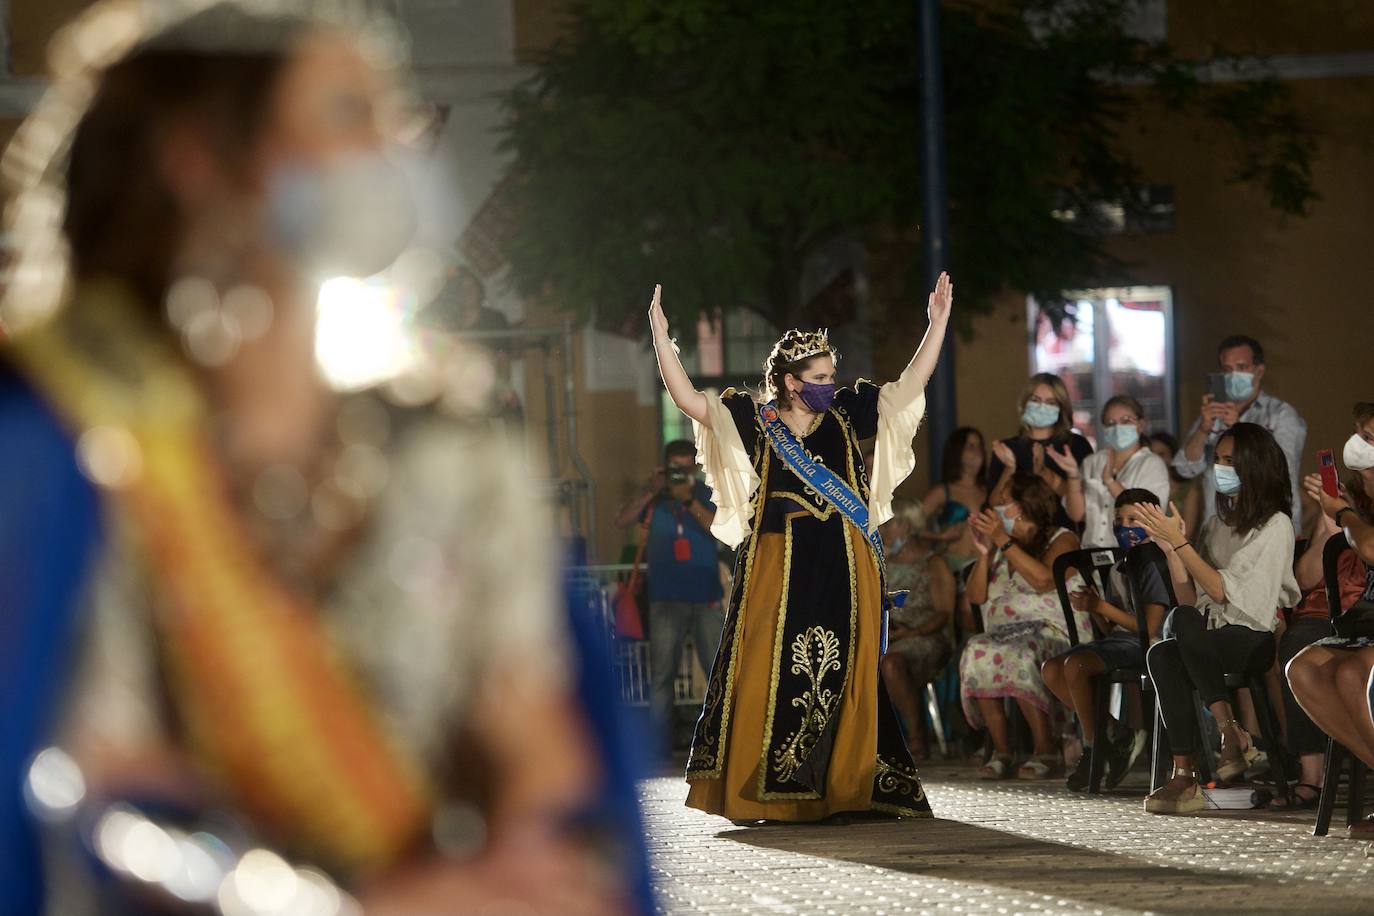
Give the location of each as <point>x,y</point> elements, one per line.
<point>797,345</point>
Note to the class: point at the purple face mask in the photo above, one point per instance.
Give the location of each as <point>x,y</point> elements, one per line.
<point>817,397</point>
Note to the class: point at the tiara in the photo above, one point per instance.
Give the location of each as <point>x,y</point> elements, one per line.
<point>804,344</point>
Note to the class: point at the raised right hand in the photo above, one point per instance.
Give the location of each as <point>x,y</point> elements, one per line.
<point>658,322</point>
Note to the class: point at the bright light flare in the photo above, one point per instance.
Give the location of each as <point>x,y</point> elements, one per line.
<point>361,337</point>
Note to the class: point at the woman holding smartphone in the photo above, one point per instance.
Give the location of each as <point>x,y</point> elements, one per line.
<point>1232,577</point>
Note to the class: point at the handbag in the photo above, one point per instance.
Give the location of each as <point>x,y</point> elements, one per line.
<point>629,623</point>
<point>1357,621</point>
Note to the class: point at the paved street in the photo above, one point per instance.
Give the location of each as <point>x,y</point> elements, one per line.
<point>1011,847</point>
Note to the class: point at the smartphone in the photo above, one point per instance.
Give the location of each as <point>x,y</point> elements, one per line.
<point>1326,463</point>
<point>1216,386</point>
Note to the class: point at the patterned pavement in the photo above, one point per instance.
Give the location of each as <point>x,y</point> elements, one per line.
<point>1009,847</point>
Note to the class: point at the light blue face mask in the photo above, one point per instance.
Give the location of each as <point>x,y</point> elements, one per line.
<point>1226,478</point>
<point>1240,385</point>
<point>1008,523</point>
<point>1040,416</point>
<point>1121,436</point>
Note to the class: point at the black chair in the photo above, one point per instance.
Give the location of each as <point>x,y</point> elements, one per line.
<point>1100,561</point>
<point>1337,754</point>
<point>1093,562</point>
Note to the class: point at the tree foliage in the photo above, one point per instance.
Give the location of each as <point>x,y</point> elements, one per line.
<point>715,145</point>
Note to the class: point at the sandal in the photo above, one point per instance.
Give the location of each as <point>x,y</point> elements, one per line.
<point>1041,766</point>
<point>996,768</point>
<point>1243,760</point>
<point>1299,801</point>
<point>1185,803</point>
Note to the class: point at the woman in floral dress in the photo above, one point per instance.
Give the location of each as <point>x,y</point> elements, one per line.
<point>1023,624</point>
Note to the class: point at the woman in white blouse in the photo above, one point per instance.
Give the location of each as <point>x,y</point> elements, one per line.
<point>1124,463</point>
<point>1232,580</point>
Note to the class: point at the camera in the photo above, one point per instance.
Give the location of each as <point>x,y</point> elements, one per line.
<point>676,476</point>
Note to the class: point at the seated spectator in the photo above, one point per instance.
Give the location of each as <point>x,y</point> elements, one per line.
<point>1123,464</point>
<point>1069,676</point>
<point>918,646</point>
<point>1241,359</point>
<point>1231,582</point>
<point>1311,621</point>
<point>963,491</point>
<point>1046,422</point>
<point>1184,493</point>
<point>1018,543</point>
<point>1329,678</point>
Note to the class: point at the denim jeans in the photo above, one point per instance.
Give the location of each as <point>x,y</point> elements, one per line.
<point>670,622</point>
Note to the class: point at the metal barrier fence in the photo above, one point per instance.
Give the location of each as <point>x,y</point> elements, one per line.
<point>597,585</point>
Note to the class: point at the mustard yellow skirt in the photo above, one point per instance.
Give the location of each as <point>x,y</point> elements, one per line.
<point>849,780</point>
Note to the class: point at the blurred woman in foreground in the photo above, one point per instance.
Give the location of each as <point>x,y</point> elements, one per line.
<point>297,609</point>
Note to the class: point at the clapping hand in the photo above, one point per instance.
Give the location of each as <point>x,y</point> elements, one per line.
<point>1168,531</point>
<point>988,531</point>
<point>1064,460</point>
<point>1004,454</point>
<point>941,301</point>
<point>1084,600</point>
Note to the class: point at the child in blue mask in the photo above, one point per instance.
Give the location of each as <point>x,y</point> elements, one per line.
<point>1070,675</point>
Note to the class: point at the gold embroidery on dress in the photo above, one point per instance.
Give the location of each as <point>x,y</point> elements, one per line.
<point>897,779</point>
<point>712,756</point>
<point>815,653</point>
<point>777,662</point>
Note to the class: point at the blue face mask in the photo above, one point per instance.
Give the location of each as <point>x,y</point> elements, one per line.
<point>1240,385</point>
<point>1226,478</point>
<point>1007,523</point>
<point>1040,416</point>
<point>1121,436</point>
<point>1130,537</point>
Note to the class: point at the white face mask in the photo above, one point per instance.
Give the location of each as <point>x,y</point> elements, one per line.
<point>1358,454</point>
<point>351,217</point>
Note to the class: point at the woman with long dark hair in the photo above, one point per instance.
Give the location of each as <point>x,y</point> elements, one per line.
<point>962,491</point>
<point>796,724</point>
<point>1231,577</point>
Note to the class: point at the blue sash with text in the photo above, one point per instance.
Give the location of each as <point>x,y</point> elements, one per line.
<point>831,487</point>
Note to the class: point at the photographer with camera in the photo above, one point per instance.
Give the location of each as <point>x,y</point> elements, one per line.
<point>1234,396</point>
<point>683,572</point>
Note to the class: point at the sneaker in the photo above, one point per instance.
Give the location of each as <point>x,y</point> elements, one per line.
<point>1078,779</point>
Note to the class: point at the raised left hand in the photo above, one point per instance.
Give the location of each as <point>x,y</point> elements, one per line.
<point>941,301</point>
<point>1063,459</point>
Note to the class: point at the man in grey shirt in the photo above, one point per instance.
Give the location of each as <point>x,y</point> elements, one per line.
<point>1242,360</point>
